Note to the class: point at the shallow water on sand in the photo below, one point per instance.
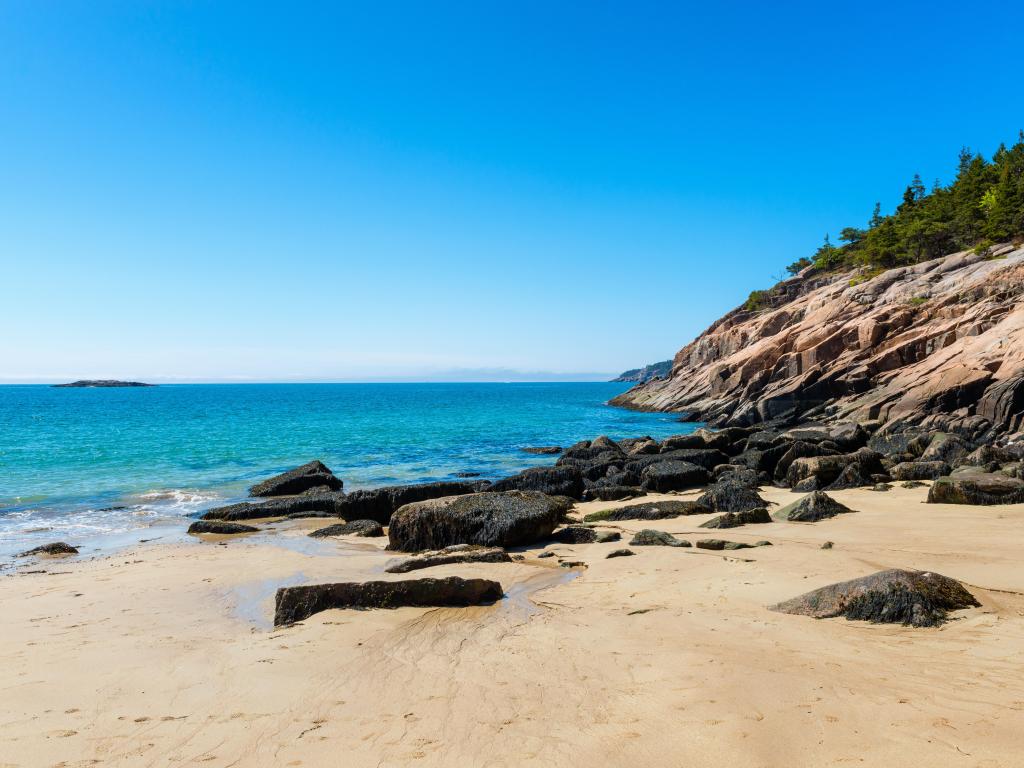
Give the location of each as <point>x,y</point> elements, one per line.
<point>81,464</point>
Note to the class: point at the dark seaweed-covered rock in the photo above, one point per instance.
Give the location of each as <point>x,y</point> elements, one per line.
<point>543,450</point>
<point>505,519</point>
<point>581,534</point>
<point>648,510</point>
<point>649,537</point>
<point>365,528</point>
<point>800,449</point>
<point>736,519</point>
<point>672,475</point>
<point>307,505</point>
<point>55,548</point>
<point>460,553</point>
<point>946,447</point>
<point>825,468</point>
<point>811,508</point>
<point>913,484</point>
<point>720,544</point>
<point>919,470</point>
<point>977,488</point>
<point>731,496</point>
<point>612,492</point>
<point>591,449</point>
<point>881,487</point>
<point>807,485</point>
<point>620,553</point>
<point>294,604</point>
<point>379,503</point>
<point>220,527</point>
<point>554,481</point>
<point>850,477</point>
<point>311,475</point>
<point>914,598</point>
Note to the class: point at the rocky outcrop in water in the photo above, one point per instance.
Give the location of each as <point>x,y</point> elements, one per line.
<point>939,345</point>
<point>56,548</point>
<point>914,598</point>
<point>294,604</point>
<point>100,384</point>
<point>309,477</point>
<point>648,372</point>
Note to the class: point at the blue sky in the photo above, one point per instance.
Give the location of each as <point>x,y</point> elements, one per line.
<point>243,191</point>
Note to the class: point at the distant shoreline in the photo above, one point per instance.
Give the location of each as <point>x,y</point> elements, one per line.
<point>100,384</point>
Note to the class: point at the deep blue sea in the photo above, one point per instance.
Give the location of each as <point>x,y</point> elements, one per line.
<point>81,464</point>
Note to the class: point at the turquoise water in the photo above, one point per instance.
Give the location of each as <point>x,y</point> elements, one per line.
<point>67,456</point>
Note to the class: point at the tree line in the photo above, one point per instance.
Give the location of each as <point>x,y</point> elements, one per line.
<point>983,205</point>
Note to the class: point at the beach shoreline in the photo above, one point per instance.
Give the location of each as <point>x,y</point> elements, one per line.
<point>162,654</point>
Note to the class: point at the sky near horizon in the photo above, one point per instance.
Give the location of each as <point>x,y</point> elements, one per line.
<point>226,191</point>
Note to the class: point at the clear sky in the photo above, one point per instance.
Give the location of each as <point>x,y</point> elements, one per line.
<point>216,190</point>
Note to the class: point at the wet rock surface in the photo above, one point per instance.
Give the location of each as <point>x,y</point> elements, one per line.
<point>460,553</point>
<point>220,527</point>
<point>314,475</point>
<point>364,528</point>
<point>54,548</point>
<point>649,537</point>
<point>294,604</point>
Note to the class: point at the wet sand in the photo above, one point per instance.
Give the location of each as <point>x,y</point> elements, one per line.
<point>163,654</point>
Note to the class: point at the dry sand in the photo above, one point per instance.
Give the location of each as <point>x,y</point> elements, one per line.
<point>162,655</point>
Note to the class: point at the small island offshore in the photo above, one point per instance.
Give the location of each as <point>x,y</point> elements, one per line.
<point>100,384</point>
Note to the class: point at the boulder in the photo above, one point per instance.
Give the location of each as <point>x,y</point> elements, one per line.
<point>736,519</point>
<point>505,519</point>
<point>649,537</point>
<point>672,475</point>
<point>648,510</point>
<point>380,503</point>
<point>220,527</point>
<point>850,477</point>
<point>913,598</point>
<point>692,440</point>
<point>947,448</point>
<point>298,480</point>
<point>919,470</point>
<point>364,528</point>
<point>55,548</point>
<point>826,469</point>
<point>620,553</point>
<point>811,508</point>
<point>554,481</point>
<point>314,504</point>
<point>543,450</point>
<point>720,544</point>
<point>460,553</point>
<point>294,604</point>
<point>977,488</point>
<point>730,496</point>
<point>581,534</point>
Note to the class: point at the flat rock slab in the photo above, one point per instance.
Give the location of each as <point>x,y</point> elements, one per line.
<point>811,508</point>
<point>736,519</point>
<point>894,596</point>
<point>220,527</point>
<point>461,553</point>
<point>299,480</point>
<point>977,488</point>
<point>721,544</point>
<point>649,537</point>
<point>581,534</point>
<point>648,510</point>
<point>294,604</point>
<point>365,528</point>
<point>55,548</point>
<point>505,519</point>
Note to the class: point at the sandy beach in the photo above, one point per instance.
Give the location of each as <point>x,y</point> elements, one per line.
<point>164,654</point>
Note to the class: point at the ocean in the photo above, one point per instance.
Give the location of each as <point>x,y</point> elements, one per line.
<point>94,466</point>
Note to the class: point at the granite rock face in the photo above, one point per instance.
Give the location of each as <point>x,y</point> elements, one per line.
<point>938,344</point>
